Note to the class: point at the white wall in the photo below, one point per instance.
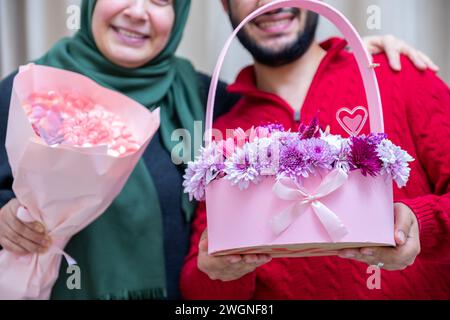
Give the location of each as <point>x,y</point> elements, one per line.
<point>29,27</point>
<point>424,24</point>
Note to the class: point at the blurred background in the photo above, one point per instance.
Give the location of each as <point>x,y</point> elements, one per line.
<point>29,27</point>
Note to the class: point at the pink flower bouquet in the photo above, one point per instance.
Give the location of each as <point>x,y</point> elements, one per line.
<point>305,193</point>
<point>72,145</point>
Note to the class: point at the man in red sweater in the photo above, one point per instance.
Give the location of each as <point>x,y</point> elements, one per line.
<point>292,79</point>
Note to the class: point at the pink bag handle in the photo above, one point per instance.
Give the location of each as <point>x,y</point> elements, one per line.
<point>364,59</point>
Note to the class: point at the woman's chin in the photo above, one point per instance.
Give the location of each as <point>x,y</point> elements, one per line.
<point>130,58</point>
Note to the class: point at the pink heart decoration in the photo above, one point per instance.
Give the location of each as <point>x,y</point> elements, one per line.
<point>352,121</point>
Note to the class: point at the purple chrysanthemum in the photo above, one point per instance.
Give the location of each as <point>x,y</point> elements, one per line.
<point>319,153</point>
<point>376,138</point>
<point>208,165</point>
<point>395,162</point>
<point>293,159</point>
<point>274,127</point>
<point>363,155</point>
<point>241,168</point>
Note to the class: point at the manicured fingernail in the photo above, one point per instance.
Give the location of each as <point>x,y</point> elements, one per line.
<point>367,252</point>
<point>401,236</point>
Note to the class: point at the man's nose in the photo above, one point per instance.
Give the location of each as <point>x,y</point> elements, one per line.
<point>263,2</point>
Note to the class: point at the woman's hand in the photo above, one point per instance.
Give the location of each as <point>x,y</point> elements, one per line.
<point>19,237</point>
<point>227,268</point>
<point>406,238</point>
<point>394,47</point>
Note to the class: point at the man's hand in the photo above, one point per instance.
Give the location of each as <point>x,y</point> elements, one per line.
<point>227,268</point>
<point>406,238</point>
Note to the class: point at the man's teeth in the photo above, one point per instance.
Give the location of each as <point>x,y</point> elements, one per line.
<point>131,34</point>
<point>271,24</point>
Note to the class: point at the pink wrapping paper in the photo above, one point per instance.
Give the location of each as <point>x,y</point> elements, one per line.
<point>65,188</point>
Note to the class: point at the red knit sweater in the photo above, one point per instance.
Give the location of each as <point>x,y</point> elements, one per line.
<point>417,117</point>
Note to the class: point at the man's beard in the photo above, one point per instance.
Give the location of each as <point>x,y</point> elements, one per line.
<point>286,55</point>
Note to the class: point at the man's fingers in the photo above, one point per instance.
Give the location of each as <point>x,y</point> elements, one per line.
<point>264,258</point>
<point>250,258</point>
<point>348,253</point>
<point>233,259</point>
<point>375,255</point>
<point>403,223</point>
<point>401,256</point>
<point>203,245</point>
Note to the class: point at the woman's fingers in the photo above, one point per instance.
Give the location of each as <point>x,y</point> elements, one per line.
<point>18,236</point>
<point>428,61</point>
<point>420,60</point>
<point>394,47</point>
<point>414,56</point>
<point>20,241</point>
<point>10,246</point>
<point>25,231</point>
<point>393,53</point>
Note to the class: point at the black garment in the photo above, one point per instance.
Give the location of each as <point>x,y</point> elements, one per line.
<point>166,176</point>
<point>6,180</point>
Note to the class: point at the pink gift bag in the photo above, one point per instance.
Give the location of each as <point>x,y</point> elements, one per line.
<point>332,211</point>
<point>65,188</point>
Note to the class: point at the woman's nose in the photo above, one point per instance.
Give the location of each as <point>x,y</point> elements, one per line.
<point>137,10</point>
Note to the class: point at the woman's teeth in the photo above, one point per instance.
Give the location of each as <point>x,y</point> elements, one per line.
<point>131,34</point>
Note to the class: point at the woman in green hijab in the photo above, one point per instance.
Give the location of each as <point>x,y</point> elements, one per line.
<point>136,248</point>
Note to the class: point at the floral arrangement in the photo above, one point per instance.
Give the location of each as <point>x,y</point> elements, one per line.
<point>270,150</point>
<point>67,118</point>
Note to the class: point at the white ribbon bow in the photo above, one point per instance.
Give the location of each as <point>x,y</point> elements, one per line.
<point>303,200</point>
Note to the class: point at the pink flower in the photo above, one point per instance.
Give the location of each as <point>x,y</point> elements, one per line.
<point>77,121</point>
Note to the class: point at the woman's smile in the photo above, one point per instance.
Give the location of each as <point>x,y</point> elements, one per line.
<point>130,37</point>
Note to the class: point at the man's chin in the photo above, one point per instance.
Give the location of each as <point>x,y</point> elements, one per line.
<point>275,46</point>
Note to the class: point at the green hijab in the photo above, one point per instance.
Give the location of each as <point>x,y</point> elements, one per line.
<point>121,255</point>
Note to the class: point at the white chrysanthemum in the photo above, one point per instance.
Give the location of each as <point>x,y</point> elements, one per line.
<point>395,162</point>
<point>242,167</point>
